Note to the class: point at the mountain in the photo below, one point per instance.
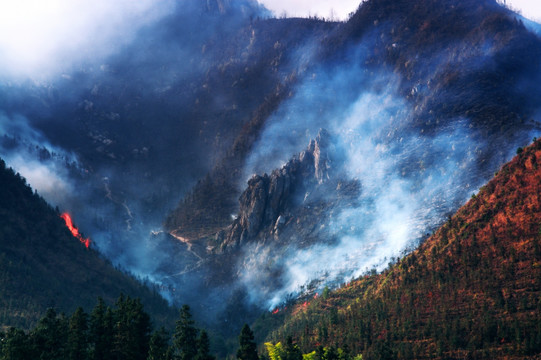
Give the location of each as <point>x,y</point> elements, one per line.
<point>192,154</point>
<point>471,290</point>
<point>424,101</point>
<point>453,60</point>
<point>43,265</point>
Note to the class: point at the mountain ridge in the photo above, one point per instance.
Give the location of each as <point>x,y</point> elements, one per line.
<point>471,289</point>
<point>420,82</point>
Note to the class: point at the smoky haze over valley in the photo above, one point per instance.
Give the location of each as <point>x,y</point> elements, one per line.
<point>149,123</point>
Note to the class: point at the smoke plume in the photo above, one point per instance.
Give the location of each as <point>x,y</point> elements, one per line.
<point>411,180</point>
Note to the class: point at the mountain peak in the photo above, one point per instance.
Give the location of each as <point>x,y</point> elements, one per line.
<point>271,199</point>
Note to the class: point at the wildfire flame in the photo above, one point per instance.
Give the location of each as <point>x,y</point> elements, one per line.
<point>75,232</point>
<point>276,311</point>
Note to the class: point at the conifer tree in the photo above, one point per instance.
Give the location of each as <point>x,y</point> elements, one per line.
<point>49,337</point>
<point>158,345</point>
<point>247,346</point>
<point>203,347</point>
<point>185,336</point>
<point>77,346</point>
<point>293,352</point>
<point>15,346</point>
<point>131,329</point>
<point>101,331</point>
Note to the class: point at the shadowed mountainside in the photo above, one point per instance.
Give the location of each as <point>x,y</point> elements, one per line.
<point>453,60</point>
<point>43,265</point>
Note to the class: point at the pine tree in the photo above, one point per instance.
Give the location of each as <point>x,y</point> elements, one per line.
<point>77,346</point>
<point>15,346</point>
<point>158,346</point>
<point>49,337</point>
<point>276,352</point>
<point>101,331</point>
<point>293,352</point>
<point>185,336</point>
<point>247,346</point>
<point>203,347</point>
<point>131,329</point>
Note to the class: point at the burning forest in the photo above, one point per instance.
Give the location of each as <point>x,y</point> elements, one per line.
<point>241,163</point>
<point>74,231</point>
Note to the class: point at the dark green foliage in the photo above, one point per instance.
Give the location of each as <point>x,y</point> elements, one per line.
<point>77,346</point>
<point>42,264</point>
<point>15,346</point>
<point>101,331</point>
<point>203,347</point>
<point>247,346</point>
<point>293,352</point>
<point>159,348</point>
<point>49,338</point>
<point>121,332</point>
<point>131,330</point>
<point>185,336</point>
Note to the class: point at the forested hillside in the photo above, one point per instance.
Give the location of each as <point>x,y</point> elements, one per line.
<point>471,290</point>
<point>43,265</point>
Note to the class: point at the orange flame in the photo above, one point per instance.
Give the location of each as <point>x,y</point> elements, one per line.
<point>75,232</point>
<point>276,311</point>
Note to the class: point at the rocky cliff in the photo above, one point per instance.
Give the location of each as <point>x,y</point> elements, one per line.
<point>291,196</point>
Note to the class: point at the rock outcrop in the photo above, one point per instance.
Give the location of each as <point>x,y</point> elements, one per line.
<point>270,201</point>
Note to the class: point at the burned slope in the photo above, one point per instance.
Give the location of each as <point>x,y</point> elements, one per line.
<point>42,265</point>
<point>449,62</point>
<point>276,48</point>
<point>471,290</point>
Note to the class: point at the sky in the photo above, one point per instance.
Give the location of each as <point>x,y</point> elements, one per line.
<point>529,8</point>
<point>303,8</point>
<point>35,34</point>
<point>38,34</point>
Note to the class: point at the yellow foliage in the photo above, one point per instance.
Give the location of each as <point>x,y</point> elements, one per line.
<point>309,356</point>
<point>276,352</point>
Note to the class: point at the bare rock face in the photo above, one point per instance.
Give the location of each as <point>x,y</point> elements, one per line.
<point>320,150</point>
<point>253,205</point>
<point>268,201</point>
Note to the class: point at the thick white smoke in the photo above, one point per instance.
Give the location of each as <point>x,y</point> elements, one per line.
<point>409,183</point>
<point>40,38</point>
<point>44,165</point>
<point>334,10</point>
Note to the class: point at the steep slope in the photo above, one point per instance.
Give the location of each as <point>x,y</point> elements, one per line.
<point>451,61</point>
<point>285,205</point>
<point>425,100</point>
<point>263,77</point>
<point>471,290</point>
<point>43,265</point>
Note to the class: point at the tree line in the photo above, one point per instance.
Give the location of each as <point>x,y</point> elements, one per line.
<point>123,331</point>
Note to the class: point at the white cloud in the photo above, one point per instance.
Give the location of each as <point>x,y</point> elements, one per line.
<point>47,179</point>
<point>530,9</point>
<point>304,8</point>
<point>38,36</point>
